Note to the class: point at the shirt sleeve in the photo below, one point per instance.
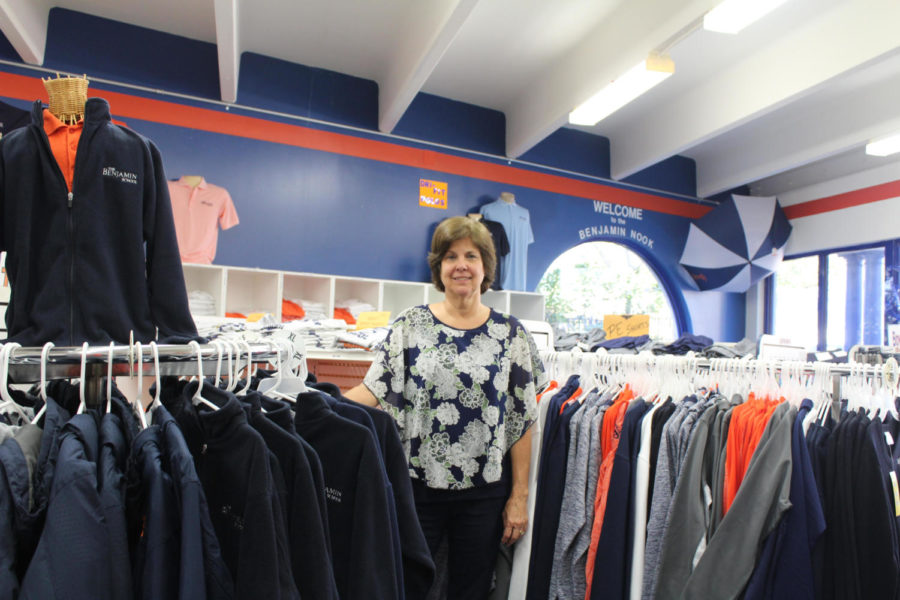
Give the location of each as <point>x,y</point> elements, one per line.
<point>165,277</point>
<point>228,216</point>
<point>386,377</point>
<point>527,376</point>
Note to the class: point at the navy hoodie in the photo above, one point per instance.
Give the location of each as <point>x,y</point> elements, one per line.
<point>102,261</point>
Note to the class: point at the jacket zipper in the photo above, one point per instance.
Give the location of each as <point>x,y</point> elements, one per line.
<point>71,231</point>
<point>70,225</point>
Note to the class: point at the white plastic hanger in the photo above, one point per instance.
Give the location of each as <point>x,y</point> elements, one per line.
<point>8,402</point>
<point>45,351</point>
<point>109,372</point>
<point>219,351</point>
<point>198,398</point>
<point>243,391</point>
<point>82,405</point>
<point>233,366</point>
<point>138,401</point>
<point>284,387</point>
<point>154,349</point>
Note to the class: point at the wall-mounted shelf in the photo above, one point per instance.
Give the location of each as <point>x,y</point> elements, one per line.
<point>243,290</point>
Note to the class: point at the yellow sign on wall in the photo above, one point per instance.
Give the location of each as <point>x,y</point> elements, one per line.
<point>433,194</point>
<point>617,326</point>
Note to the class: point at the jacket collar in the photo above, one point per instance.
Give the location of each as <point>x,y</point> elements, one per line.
<point>277,411</point>
<point>311,406</point>
<point>96,111</point>
<point>204,426</point>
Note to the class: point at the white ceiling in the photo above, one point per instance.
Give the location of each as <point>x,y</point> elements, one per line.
<point>787,103</point>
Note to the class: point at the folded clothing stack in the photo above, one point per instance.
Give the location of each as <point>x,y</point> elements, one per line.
<point>364,338</point>
<point>201,304</point>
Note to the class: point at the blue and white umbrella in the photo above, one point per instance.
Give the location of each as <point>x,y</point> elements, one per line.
<point>736,244</point>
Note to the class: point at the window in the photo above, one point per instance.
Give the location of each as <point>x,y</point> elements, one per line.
<point>604,278</point>
<point>796,295</point>
<point>834,300</point>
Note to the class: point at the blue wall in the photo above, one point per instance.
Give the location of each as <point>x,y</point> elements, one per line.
<point>309,210</point>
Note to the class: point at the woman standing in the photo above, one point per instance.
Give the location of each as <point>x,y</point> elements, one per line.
<point>460,379</point>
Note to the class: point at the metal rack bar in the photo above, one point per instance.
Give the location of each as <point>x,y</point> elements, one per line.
<point>174,359</point>
<point>702,362</point>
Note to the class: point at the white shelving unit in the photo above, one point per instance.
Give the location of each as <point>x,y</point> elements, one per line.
<point>243,290</point>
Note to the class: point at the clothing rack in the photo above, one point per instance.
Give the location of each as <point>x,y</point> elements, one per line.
<point>838,373</point>
<point>174,359</point>
<point>806,367</point>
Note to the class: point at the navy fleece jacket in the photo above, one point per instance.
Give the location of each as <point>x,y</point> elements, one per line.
<point>102,261</point>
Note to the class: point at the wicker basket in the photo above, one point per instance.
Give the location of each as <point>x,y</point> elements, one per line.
<point>67,96</point>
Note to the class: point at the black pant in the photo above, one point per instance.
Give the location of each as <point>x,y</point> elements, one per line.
<point>472,529</point>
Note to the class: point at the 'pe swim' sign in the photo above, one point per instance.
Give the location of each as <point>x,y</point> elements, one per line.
<point>433,194</point>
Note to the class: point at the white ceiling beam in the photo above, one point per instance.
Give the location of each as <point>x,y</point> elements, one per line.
<point>839,40</point>
<point>24,23</point>
<point>428,33</point>
<point>228,47</point>
<point>799,134</point>
<point>620,42</point>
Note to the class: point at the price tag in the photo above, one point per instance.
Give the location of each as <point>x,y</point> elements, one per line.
<point>368,320</point>
<point>896,493</point>
<point>889,438</point>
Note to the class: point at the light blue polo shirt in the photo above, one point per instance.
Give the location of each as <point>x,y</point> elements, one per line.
<point>517,223</point>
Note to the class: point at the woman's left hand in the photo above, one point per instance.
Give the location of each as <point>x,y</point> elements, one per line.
<point>515,518</point>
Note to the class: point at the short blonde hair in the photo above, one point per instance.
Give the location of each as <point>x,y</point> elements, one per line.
<point>460,228</point>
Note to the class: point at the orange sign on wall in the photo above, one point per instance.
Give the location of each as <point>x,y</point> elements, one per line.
<point>433,194</point>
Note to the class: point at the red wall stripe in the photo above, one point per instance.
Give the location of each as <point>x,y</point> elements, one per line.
<point>875,193</point>
<point>134,107</point>
<point>170,113</point>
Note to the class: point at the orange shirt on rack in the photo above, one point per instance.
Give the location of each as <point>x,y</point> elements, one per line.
<point>575,396</point>
<point>63,143</point>
<point>552,386</point>
<point>609,443</point>
<point>748,422</point>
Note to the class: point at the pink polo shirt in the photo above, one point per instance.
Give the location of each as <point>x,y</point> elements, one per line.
<point>199,211</point>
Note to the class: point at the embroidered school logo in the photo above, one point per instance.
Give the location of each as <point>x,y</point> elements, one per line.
<point>123,176</point>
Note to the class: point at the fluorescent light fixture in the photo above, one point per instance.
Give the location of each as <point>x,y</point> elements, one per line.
<point>733,15</point>
<point>884,146</point>
<point>623,90</point>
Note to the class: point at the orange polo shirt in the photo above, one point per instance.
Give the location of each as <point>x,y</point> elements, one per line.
<point>610,430</point>
<point>748,422</point>
<point>63,143</point>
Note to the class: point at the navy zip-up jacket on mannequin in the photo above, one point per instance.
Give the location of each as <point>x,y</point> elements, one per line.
<point>418,566</point>
<point>358,511</point>
<point>102,261</point>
